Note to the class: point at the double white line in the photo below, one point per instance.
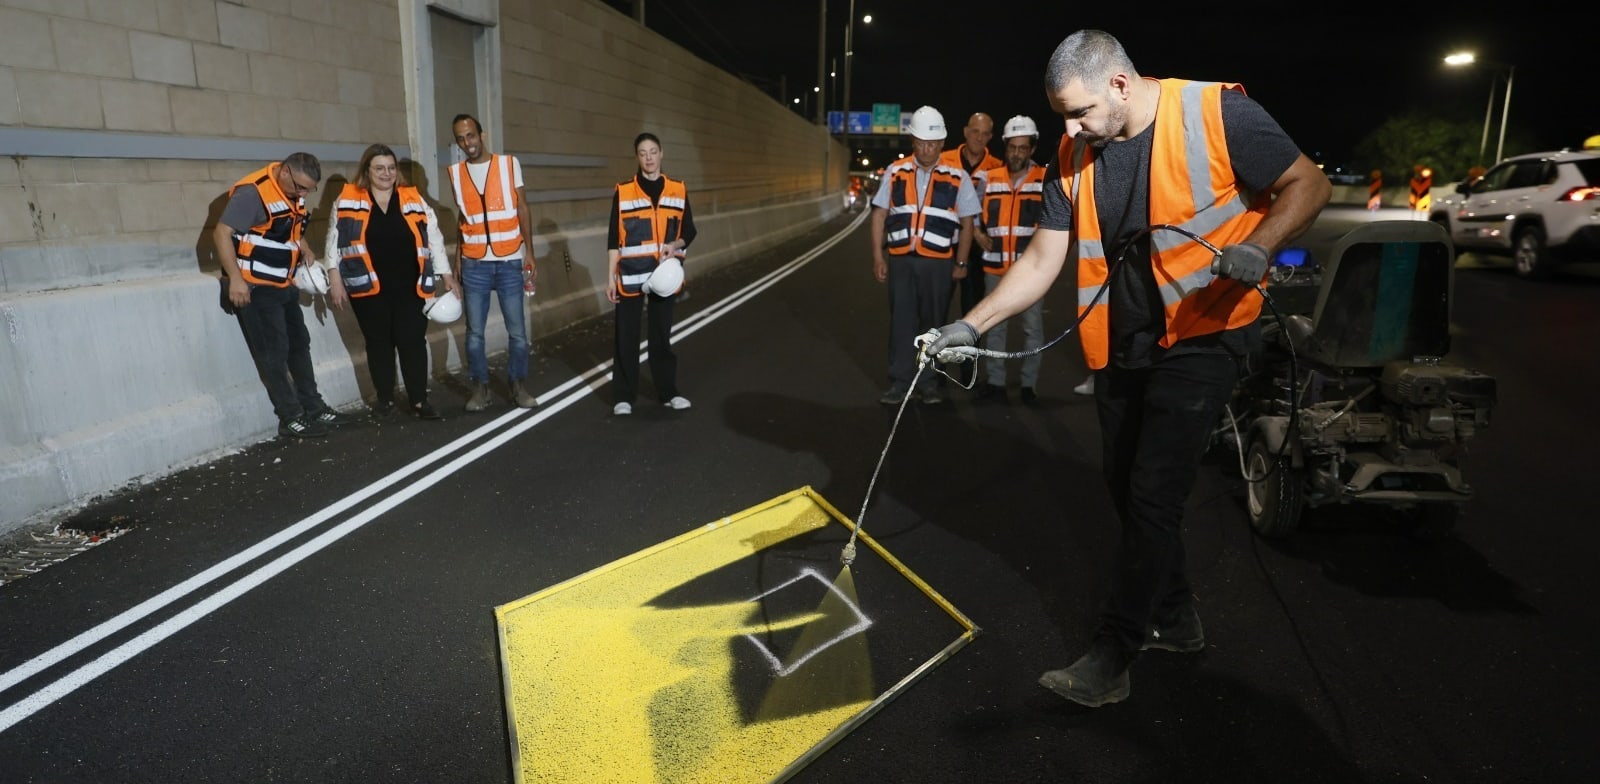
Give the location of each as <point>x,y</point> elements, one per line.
<point>566,394</point>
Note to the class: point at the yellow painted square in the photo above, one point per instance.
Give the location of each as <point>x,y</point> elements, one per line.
<point>626,673</point>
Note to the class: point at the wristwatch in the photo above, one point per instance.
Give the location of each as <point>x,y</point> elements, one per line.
<point>961,264</point>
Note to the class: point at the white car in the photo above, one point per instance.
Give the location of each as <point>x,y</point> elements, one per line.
<point>1541,209</point>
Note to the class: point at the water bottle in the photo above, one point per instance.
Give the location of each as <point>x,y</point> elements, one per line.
<point>528,277</point>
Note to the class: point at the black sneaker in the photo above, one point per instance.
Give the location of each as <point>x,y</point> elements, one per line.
<point>301,427</point>
<point>425,411</point>
<point>1097,678</point>
<point>932,396</point>
<point>1178,632</point>
<point>382,409</point>
<point>328,417</point>
<point>1029,396</point>
<point>893,396</point>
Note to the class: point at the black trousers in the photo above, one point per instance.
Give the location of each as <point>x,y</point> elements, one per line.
<point>1154,424</point>
<point>663,363</point>
<point>275,330</point>
<point>392,323</point>
<point>919,295</point>
<point>971,288</point>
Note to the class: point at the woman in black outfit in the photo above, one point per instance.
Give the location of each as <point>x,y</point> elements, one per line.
<point>389,254</point>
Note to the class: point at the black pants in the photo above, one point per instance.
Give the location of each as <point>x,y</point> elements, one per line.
<point>663,363</point>
<point>392,323</point>
<point>919,295</point>
<point>971,289</point>
<point>275,330</point>
<point>1154,425</point>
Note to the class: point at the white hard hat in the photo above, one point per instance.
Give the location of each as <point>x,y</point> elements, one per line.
<point>443,308</point>
<point>927,124</point>
<point>667,278</point>
<point>1020,126</point>
<point>311,278</point>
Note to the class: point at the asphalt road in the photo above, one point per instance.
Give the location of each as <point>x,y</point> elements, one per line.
<point>243,630</point>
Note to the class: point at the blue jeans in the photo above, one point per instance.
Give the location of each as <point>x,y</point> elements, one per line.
<point>504,278</point>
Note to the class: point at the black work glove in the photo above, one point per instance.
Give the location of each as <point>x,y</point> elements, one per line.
<point>1245,262</point>
<point>958,333</point>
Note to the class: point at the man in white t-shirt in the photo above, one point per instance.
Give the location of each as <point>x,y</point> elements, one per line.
<point>494,256</point>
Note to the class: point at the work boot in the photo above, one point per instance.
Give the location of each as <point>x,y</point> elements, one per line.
<point>893,396</point>
<point>480,397</point>
<point>1179,631</point>
<point>932,396</point>
<point>1029,396</point>
<point>1098,677</point>
<point>524,398</point>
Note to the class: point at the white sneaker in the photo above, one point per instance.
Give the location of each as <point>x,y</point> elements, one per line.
<point>1086,388</point>
<point>621,409</point>
<point>678,403</point>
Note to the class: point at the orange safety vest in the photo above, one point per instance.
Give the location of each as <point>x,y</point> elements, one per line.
<point>1010,216</point>
<point>643,227</point>
<point>928,229</point>
<point>350,222</point>
<point>1195,302</point>
<point>268,252</point>
<point>488,217</point>
<point>953,158</point>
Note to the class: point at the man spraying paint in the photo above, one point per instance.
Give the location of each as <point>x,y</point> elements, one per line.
<point>1168,334</point>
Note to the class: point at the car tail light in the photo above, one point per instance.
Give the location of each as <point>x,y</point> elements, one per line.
<point>1582,194</point>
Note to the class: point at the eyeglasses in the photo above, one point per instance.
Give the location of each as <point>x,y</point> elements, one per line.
<point>297,188</point>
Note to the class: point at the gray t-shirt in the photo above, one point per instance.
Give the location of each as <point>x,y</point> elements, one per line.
<point>245,209</point>
<point>1260,151</point>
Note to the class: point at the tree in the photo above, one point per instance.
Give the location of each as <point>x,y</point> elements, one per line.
<point>1449,148</point>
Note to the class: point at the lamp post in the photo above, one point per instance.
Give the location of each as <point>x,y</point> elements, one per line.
<point>849,54</point>
<point>1459,59</point>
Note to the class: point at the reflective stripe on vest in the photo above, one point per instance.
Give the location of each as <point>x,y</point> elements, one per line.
<point>644,228</point>
<point>953,159</point>
<point>351,214</point>
<point>489,217</point>
<point>269,251</point>
<point>1010,216</point>
<point>931,228</point>
<point>1192,187</point>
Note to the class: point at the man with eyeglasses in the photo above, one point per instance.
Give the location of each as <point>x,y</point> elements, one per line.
<point>261,245</point>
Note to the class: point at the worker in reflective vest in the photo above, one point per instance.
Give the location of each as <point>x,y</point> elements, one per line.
<point>1013,198</point>
<point>386,257</point>
<point>260,244</point>
<point>495,229</point>
<point>922,215</point>
<point>1167,335</point>
<point>651,224</point>
<point>974,158</point>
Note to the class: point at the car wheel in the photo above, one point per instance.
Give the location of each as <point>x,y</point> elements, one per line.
<point>1529,254</point>
<point>1274,503</point>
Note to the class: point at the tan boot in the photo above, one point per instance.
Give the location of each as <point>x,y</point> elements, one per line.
<point>524,398</point>
<point>480,398</point>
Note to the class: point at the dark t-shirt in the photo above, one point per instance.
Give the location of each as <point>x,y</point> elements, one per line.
<point>653,189</point>
<point>392,248</point>
<point>1260,151</point>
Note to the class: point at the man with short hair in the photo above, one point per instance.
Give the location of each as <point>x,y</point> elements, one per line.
<point>1013,197</point>
<point>261,245</point>
<point>1165,322</point>
<point>923,214</point>
<point>974,158</point>
<point>495,231</point>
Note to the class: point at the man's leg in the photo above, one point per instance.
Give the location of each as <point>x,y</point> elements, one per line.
<point>300,365</point>
<point>268,339</point>
<point>933,285</point>
<point>513,310</point>
<point>1032,339</point>
<point>903,320</point>
<point>1182,397</point>
<point>663,363</point>
<point>994,369</point>
<point>478,279</point>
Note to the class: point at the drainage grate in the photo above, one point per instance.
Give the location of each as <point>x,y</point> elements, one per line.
<point>37,551</point>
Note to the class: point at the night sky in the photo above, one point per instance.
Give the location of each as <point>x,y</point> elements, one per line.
<point>1328,77</point>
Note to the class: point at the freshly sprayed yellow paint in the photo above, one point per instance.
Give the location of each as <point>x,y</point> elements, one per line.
<point>601,687</point>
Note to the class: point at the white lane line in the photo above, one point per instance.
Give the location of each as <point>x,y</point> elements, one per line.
<point>584,384</point>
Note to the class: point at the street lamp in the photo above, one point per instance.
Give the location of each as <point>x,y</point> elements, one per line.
<point>1461,59</point>
<point>849,53</point>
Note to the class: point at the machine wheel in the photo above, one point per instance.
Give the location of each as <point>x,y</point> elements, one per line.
<point>1529,254</point>
<point>1275,503</point>
<point>1433,522</point>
